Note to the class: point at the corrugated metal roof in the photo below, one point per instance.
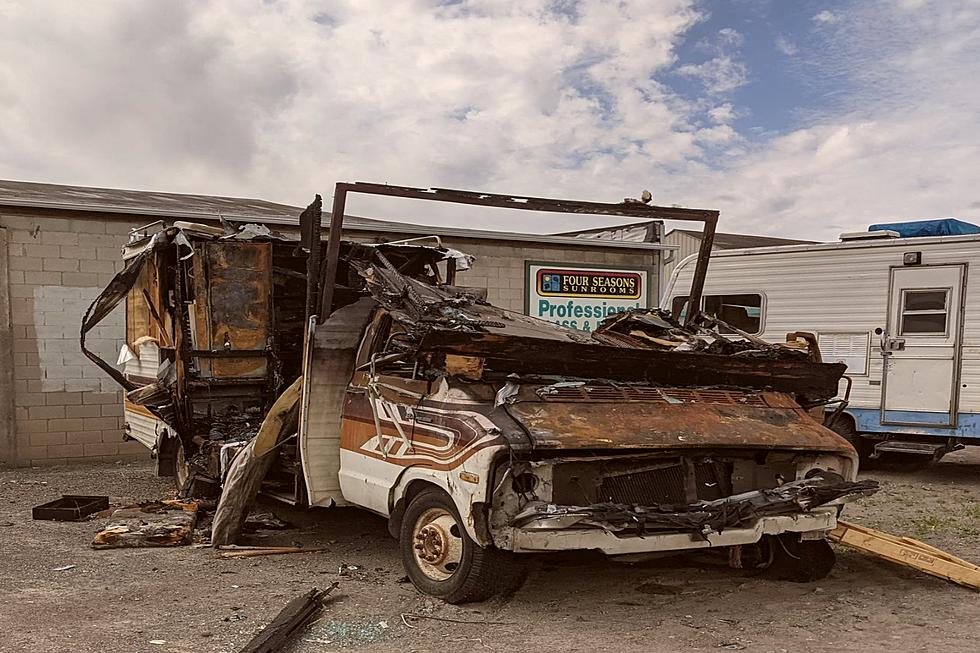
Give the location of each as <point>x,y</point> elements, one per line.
<point>151,203</point>
<point>740,241</point>
<point>210,207</point>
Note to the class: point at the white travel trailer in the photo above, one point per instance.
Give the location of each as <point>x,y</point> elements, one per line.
<point>902,311</point>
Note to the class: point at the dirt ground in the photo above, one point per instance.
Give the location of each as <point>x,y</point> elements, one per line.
<point>134,599</point>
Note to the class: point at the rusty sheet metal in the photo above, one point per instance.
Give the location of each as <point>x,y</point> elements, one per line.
<point>562,356</point>
<point>637,425</point>
<point>582,392</point>
<point>232,308</point>
<point>701,518</point>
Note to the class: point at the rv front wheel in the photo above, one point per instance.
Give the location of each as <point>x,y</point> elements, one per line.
<point>441,560</point>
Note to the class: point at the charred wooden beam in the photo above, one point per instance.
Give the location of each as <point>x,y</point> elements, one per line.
<point>527,203</point>
<point>310,221</point>
<point>289,622</point>
<point>328,281</point>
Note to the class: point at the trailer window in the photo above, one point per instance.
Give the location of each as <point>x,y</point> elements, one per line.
<point>924,311</point>
<point>742,311</point>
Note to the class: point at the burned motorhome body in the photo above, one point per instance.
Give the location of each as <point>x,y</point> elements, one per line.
<point>370,375</point>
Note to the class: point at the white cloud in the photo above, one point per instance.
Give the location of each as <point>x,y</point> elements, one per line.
<point>826,17</point>
<point>724,72</point>
<point>281,99</point>
<point>719,75</point>
<point>728,36</point>
<point>786,46</point>
<point>723,113</point>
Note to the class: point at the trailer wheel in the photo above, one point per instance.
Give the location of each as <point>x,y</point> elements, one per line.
<point>800,561</point>
<point>441,560</point>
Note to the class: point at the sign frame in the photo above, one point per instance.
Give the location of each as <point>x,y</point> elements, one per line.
<point>646,272</point>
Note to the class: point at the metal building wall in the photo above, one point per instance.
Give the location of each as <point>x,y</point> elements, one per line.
<point>686,244</point>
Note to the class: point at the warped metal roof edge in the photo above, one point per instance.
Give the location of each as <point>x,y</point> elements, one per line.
<point>509,235</point>
<point>109,208</point>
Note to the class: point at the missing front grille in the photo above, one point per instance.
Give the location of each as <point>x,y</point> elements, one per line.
<point>667,482</point>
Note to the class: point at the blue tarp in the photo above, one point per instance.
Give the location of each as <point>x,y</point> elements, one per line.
<point>945,227</point>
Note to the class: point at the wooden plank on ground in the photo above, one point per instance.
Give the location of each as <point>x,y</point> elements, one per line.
<point>908,552</point>
<point>908,541</point>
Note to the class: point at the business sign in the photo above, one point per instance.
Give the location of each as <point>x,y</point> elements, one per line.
<point>581,296</point>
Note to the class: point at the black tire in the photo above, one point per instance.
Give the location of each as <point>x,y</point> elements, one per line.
<point>844,427</point>
<point>800,561</point>
<point>469,573</point>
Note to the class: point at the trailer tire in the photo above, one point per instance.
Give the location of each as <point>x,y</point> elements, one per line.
<point>845,427</point>
<point>442,561</point>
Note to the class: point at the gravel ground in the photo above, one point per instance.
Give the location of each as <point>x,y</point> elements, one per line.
<point>134,599</point>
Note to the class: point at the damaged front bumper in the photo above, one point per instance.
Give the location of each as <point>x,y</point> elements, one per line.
<point>807,506</point>
<point>538,538</point>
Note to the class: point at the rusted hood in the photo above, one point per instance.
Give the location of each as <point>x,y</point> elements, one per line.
<point>649,425</point>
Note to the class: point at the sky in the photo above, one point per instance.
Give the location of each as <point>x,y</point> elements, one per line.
<point>793,118</point>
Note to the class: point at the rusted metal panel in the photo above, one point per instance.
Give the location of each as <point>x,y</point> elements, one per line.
<point>637,425</point>
<point>567,358</point>
<point>582,392</point>
<point>233,304</point>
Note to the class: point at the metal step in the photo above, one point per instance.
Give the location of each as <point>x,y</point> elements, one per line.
<point>931,449</point>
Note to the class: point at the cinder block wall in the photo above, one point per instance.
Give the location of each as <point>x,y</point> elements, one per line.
<point>65,408</point>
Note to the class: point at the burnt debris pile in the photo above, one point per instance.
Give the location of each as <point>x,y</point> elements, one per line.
<point>652,328</point>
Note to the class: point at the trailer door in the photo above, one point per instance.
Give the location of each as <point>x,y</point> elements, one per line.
<point>921,346</point>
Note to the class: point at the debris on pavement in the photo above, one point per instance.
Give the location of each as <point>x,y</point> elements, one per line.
<point>234,551</point>
<point>289,622</point>
<point>150,524</point>
<point>345,569</point>
<point>70,507</point>
<point>654,328</point>
<point>265,521</point>
<point>908,552</point>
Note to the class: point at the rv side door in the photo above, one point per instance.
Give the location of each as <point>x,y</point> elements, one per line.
<point>921,346</point>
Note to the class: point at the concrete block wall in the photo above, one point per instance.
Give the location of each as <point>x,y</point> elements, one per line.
<point>65,409</point>
<point>57,407</point>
